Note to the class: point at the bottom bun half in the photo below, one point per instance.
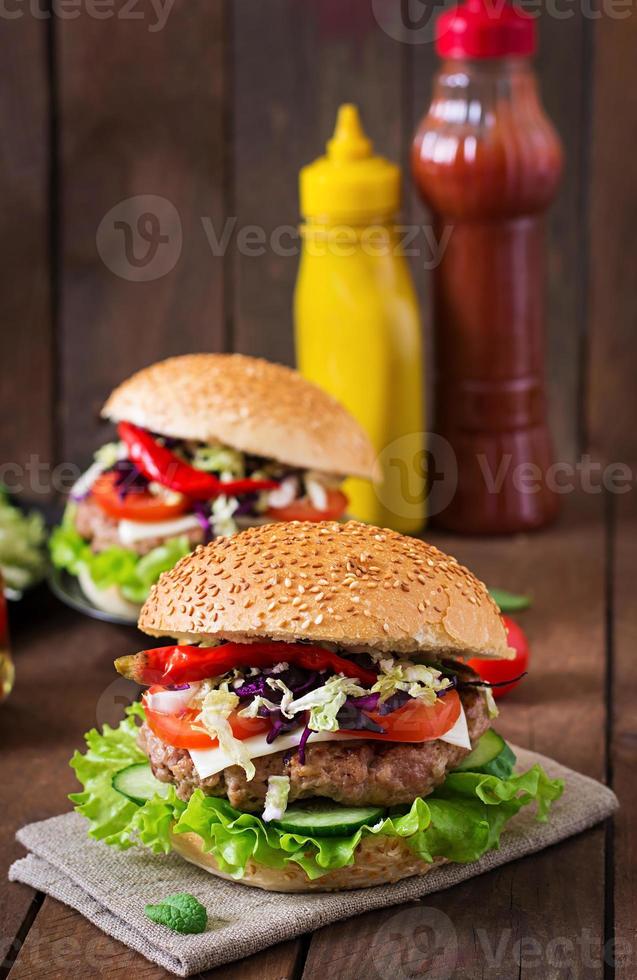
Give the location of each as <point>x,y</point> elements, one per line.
<point>109,600</point>
<point>378,861</point>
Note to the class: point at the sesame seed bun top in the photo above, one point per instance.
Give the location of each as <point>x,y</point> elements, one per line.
<point>349,584</point>
<point>249,404</point>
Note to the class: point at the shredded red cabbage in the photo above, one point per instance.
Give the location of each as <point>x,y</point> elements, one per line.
<point>279,724</point>
<point>251,688</point>
<point>301,746</point>
<point>295,678</point>
<point>128,478</point>
<point>247,506</point>
<point>396,701</point>
<point>368,702</point>
<point>203,515</point>
<point>351,718</point>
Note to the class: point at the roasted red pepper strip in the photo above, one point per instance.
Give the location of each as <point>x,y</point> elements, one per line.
<point>159,464</point>
<point>181,664</point>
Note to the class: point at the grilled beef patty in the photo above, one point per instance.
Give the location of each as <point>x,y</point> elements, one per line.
<point>102,531</point>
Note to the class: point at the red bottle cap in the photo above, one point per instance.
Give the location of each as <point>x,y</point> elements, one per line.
<point>485,29</point>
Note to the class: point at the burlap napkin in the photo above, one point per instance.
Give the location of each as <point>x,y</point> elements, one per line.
<point>111,888</point>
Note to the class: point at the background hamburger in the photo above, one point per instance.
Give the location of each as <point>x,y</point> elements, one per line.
<point>315,728</point>
<point>208,444</point>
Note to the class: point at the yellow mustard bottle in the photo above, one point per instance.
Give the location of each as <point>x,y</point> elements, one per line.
<point>357,322</point>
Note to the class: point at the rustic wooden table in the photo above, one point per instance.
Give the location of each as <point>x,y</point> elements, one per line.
<point>556,914</point>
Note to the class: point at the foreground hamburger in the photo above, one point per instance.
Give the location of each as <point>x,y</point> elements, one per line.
<point>208,444</point>
<point>315,728</point>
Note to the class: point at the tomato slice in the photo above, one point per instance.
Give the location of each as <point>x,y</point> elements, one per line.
<point>178,729</point>
<point>303,510</point>
<point>500,671</point>
<point>416,721</point>
<point>136,505</point>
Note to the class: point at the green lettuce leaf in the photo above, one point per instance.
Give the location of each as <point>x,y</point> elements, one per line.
<point>134,574</point>
<point>112,817</point>
<point>22,545</point>
<point>461,820</point>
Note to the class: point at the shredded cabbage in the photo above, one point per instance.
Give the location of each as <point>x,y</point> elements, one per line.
<point>418,680</point>
<point>276,798</point>
<point>214,718</point>
<point>229,463</point>
<point>222,509</point>
<point>325,703</point>
<point>492,709</point>
<point>109,454</point>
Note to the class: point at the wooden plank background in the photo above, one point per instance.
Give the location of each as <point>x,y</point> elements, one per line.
<point>210,115</point>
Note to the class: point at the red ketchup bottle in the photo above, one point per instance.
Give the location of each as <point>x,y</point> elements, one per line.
<point>487,161</point>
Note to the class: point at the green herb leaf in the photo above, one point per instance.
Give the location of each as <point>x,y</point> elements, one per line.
<point>509,601</point>
<point>181,913</point>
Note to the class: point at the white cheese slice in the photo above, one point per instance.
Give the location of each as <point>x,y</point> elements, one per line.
<point>131,531</point>
<point>208,762</point>
<point>458,734</point>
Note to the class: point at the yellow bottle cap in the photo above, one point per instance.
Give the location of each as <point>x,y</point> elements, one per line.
<point>349,182</point>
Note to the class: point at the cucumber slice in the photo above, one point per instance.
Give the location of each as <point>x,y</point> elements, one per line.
<point>491,755</point>
<point>138,783</point>
<point>502,766</point>
<point>322,818</point>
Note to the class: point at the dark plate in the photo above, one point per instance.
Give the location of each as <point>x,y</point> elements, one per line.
<point>67,589</point>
